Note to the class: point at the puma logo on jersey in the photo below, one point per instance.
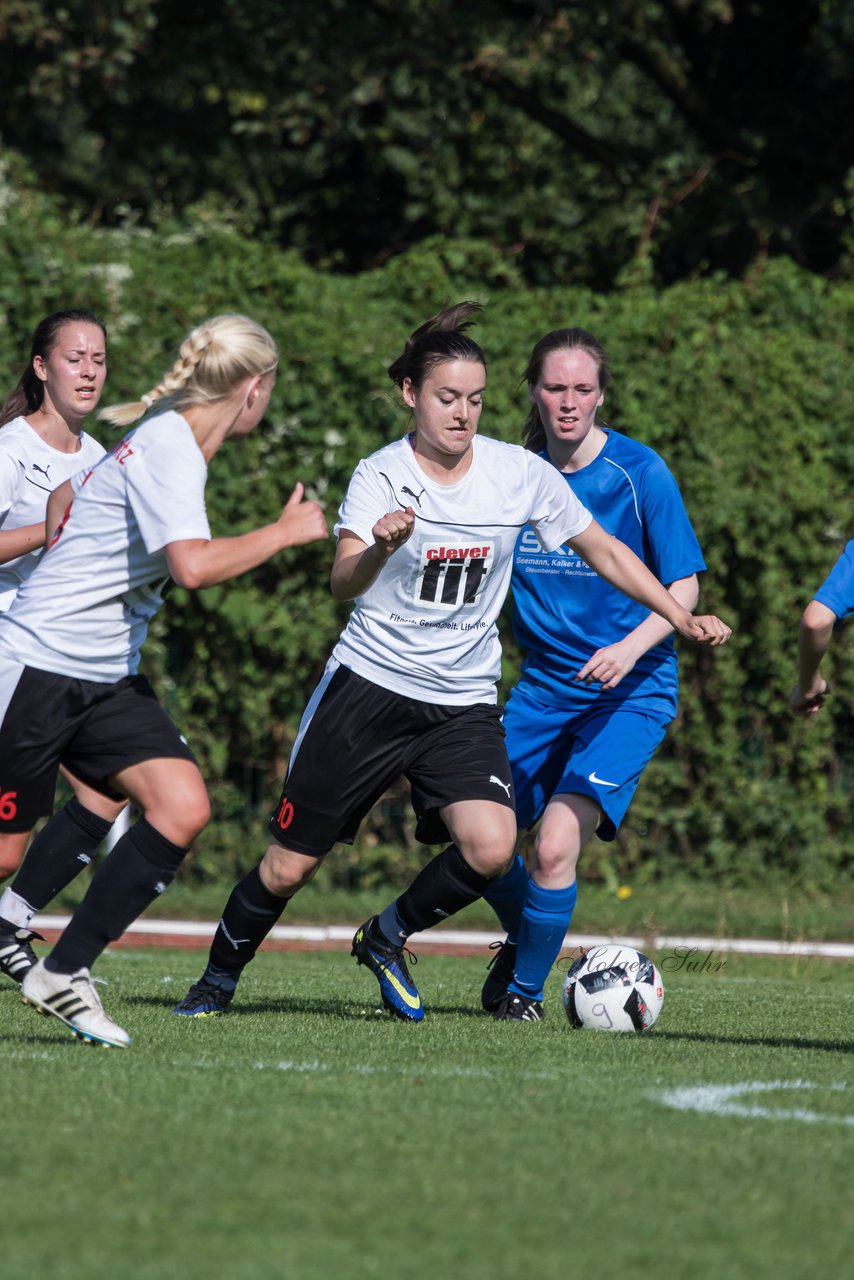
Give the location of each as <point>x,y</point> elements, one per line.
<point>416,496</point>
<point>499,783</point>
<point>43,470</point>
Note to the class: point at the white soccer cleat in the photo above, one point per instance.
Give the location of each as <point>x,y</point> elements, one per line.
<point>72,998</point>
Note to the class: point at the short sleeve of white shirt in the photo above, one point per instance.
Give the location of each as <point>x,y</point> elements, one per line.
<point>556,515</point>
<point>11,477</point>
<point>368,498</point>
<point>168,504</point>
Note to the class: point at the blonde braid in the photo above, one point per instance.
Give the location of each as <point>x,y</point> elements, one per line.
<point>190,355</point>
<point>212,360</point>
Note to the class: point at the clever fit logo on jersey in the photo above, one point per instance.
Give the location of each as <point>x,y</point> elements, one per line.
<point>562,561</point>
<point>451,574</point>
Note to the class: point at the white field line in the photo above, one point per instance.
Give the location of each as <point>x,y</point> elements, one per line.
<point>343,933</point>
<point>730,1100</point>
<point>315,1066</point>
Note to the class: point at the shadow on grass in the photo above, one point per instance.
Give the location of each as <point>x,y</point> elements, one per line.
<point>351,1008</point>
<point>768,1042</point>
<point>29,1039</point>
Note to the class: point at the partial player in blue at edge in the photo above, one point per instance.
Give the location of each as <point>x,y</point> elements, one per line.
<point>599,680</point>
<point>831,604</point>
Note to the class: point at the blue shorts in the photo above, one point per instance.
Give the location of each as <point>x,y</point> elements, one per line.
<point>598,751</point>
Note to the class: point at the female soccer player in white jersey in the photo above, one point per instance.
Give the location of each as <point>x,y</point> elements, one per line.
<point>599,678</point>
<point>425,548</point>
<point>70,642</point>
<point>42,443</point>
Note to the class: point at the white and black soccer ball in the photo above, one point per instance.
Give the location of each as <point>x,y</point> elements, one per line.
<point>613,988</point>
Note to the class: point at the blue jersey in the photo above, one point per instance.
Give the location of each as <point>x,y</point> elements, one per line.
<point>563,611</point>
<point>837,591</point>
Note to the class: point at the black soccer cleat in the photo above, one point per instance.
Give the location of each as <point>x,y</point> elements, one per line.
<point>17,957</point>
<point>203,1000</point>
<point>499,974</point>
<point>514,1008</point>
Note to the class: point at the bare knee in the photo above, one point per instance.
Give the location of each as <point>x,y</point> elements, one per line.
<point>490,853</point>
<point>180,821</point>
<point>485,834</point>
<point>556,857</point>
<point>171,795</point>
<point>195,816</point>
<point>284,871</point>
<point>567,824</point>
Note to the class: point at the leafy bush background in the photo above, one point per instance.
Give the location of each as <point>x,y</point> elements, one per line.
<point>745,387</point>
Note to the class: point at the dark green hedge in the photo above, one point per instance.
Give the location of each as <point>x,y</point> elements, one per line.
<point>745,388</point>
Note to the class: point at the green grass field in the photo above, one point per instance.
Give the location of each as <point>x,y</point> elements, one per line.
<point>307,1135</point>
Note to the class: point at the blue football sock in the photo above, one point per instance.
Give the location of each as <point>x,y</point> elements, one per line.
<point>545,920</point>
<point>506,896</point>
<point>224,978</point>
<point>391,926</point>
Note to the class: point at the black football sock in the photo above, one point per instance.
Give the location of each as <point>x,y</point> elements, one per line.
<point>60,851</point>
<point>444,887</point>
<point>139,868</point>
<point>249,915</point>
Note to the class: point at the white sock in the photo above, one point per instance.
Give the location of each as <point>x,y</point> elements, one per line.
<point>16,909</point>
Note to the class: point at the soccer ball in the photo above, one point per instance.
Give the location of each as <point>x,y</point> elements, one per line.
<point>613,988</point>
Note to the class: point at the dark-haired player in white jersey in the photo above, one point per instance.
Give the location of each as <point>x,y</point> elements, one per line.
<point>425,549</point>
<point>42,444</point>
<point>70,692</point>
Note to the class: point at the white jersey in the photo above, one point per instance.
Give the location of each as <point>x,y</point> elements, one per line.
<point>85,611</point>
<point>30,469</point>
<point>426,628</point>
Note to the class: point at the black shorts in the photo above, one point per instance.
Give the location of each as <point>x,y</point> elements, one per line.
<point>356,738</point>
<point>95,730</point>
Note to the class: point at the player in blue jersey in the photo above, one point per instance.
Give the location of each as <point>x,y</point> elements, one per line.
<point>833,601</point>
<point>599,679</point>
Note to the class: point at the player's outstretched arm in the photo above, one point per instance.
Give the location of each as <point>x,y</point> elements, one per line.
<point>608,665</point>
<point>196,563</point>
<point>619,565</point>
<point>357,565</point>
<point>809,694</point>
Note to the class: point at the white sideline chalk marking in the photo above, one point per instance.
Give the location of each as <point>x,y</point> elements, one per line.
<point>343,933</point>
<point>726,1100</point>
<point>316,1067</point>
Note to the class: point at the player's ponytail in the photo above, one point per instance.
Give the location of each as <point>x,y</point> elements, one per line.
<point>442,337</point>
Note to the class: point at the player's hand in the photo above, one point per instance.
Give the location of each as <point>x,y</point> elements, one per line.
<point>393,529</point>
<point>608,665</point>
<point>706,629</point>
<point>302,521</point>
<point>807,704</point>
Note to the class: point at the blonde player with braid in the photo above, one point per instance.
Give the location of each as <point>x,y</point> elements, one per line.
<point>70,646</point>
